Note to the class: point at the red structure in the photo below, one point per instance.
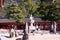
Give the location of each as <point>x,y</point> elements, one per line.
<point>5,23</point>
<point>45,25</point>
<point>9,25</point>
<point>1,3</point>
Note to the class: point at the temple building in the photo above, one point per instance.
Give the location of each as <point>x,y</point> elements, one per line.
<point>6,23</point>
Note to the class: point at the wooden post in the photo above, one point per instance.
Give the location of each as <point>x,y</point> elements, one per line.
<point>1,3</point>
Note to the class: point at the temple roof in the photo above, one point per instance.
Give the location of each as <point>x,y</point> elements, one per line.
<point>35,19</point>
<point>25,20</point>
<point>6,20</point>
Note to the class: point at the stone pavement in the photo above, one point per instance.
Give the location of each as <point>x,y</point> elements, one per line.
<point>37,36</point>
<point>44,37</point>
<point>41,37</point>
<point>14,38</point>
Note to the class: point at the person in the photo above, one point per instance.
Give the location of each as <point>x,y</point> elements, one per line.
<point>55,26</point>
<point>37,27</point>
<point>32,28</point>
<point>12,32</point>
<point>15,29</point>
<point>52,28</point>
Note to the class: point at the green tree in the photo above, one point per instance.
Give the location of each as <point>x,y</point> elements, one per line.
<point>14,12</point>
<point>28,6</point>
<point>22,4</point>
<point>49,12</point>
<point>31,6</point>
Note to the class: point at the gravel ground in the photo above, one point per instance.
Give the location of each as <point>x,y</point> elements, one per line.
<point>37,36</point>
<point>44,37</point>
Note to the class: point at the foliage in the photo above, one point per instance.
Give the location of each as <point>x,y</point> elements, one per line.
<point>21,4</point>
<point>49,12</point>
<point>31,6</point>
<point>14,12</point>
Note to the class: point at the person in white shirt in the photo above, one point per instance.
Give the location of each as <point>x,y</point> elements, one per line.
<point>12,32</point>
<point>37,27</point>
<point>55,27</point>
